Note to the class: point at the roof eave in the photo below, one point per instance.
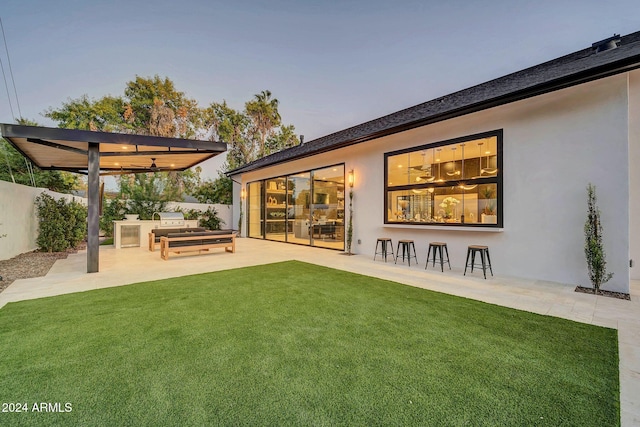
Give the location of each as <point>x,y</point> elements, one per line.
<point>582,77</point>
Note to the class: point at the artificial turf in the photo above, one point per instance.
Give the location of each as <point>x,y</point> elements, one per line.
<point>297,344</point>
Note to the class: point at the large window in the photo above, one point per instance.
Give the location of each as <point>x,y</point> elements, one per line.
<point>456,182</point>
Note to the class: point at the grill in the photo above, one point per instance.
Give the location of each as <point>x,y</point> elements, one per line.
<point>170,219</point>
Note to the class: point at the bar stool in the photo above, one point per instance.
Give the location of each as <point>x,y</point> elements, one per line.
<point>387,245</point>
<point>484,256</point>
<point>406,247</point>
<point>437,248</point>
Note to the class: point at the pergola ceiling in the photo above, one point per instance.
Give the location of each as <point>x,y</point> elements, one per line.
<point>67,149</point>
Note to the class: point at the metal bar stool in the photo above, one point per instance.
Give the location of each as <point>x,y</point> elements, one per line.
<point>484,256</point>
<point>406,248</point>
<point>437,248</point>
<point>387,245</point>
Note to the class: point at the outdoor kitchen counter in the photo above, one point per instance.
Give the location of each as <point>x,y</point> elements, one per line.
<point>143,229</point>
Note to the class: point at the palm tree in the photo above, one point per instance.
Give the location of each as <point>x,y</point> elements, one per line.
<point>264,115</point>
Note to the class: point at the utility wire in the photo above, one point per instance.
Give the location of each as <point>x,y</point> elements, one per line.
<point>4,76</point>
<point>15,91</point>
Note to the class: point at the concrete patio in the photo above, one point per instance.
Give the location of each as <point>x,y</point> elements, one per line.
<point>133,265</point>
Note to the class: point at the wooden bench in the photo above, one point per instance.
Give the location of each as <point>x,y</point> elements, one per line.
<point>156,233</point>
<point>196,242</point>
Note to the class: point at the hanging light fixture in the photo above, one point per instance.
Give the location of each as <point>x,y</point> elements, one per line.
<point>467,187</point>
<point>426,169</point>
<point>487,170</point>
<point>455,172</point>
<point>480,144</point>
<point>439,163</point>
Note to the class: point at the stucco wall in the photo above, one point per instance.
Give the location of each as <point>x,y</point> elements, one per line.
<point>554,145</point>
<point>18,217</point>
<point>634,170</point>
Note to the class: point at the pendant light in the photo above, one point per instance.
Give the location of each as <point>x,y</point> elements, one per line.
<point>455,172</point>
<point>488,170</point>
<point>426,168</point>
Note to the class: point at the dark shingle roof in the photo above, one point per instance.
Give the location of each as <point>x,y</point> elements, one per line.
<point>569,70</point>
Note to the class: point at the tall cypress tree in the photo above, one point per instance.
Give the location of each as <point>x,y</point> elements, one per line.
<point>593,248</point>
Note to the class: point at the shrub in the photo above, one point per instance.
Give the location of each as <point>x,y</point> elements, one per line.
<point>208,219</point>
<point>113,210</point>
<point>61,225</point>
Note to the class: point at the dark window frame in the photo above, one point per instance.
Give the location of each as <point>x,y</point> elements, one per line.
<point>498,180</point>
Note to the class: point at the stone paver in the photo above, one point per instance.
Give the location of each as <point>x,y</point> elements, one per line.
<point>133,265</point>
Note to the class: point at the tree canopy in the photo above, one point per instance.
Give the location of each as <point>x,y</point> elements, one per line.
<point>153,106</point>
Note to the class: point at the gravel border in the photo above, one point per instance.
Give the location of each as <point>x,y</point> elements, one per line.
<point>27,265</point>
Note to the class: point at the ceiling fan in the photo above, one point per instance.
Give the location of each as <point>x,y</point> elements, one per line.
<point>152,168</point>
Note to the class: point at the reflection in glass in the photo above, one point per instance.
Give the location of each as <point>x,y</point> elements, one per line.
<point>327,208</point>
<point>276,209</point>
<point>255,212</point>
<point>298,213</point>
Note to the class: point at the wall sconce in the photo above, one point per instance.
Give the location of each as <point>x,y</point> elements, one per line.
<point>243,193</point>
<point>351,178</point>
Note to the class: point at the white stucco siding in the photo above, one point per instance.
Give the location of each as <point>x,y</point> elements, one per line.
<point>554,145</point>
<point>634,172</point>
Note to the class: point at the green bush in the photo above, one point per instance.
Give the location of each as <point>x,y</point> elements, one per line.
<point>61,225</point>
<point>112,210</point>
<point>208,219</point>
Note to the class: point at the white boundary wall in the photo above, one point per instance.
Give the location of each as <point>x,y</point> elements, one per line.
<point>19,221</point>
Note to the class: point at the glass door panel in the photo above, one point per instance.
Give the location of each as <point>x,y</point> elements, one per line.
<point>298,214</point>
<point>276,209</point>
<point>255,214</point>
<point>328,208</point>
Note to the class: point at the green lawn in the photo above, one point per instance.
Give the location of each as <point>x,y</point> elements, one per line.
<point>298,344</point>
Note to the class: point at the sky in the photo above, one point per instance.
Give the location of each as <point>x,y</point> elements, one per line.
<point>331,64</point>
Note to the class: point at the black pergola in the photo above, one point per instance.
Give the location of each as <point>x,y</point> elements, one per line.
<point>105,153</point>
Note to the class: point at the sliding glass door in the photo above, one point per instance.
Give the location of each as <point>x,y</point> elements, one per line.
<point>327,228</point>
<point>306,208</point>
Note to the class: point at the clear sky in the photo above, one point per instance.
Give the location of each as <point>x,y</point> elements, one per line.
<point>331,64</point>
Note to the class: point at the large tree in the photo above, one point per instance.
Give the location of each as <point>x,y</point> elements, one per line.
<point>152,99</point>
<point>150,106</point>
<point>250,134</point>
<point>104,114</point>
<point>265,118</point>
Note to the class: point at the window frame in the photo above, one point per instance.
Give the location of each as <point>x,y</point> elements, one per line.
<point>497,180</point>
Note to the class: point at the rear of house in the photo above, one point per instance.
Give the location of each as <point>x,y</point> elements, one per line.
<point>503,164</point>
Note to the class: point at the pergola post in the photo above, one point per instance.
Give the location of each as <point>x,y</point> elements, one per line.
<point>93,218</point>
